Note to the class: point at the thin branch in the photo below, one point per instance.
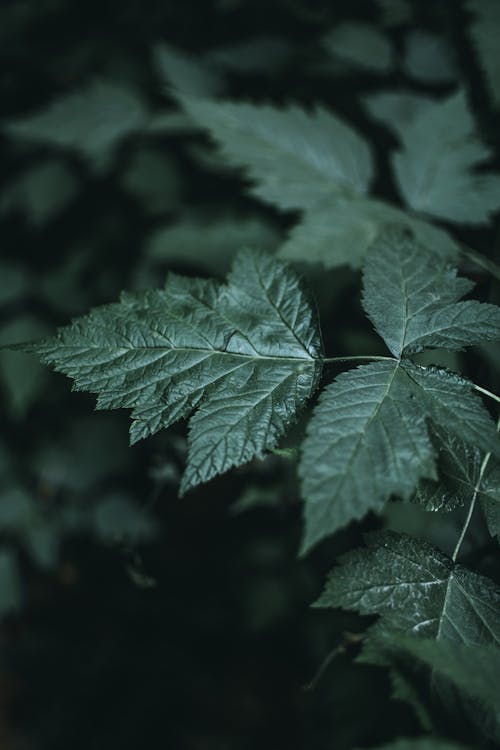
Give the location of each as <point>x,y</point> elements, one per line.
<point>485,392</point>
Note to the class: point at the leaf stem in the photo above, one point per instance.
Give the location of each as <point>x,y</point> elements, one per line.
<point>472,506</point>
<point>485,392</point>
<point>362,358</point>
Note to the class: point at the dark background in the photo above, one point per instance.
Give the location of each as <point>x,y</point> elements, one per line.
<point>131,618</point>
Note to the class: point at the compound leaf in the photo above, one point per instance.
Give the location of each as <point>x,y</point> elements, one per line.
<point>244,355</point>
<point>293,158</point>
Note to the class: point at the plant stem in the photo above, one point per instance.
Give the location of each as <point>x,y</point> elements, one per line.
<point>363,358</point>
<point>480,260</point>
<point>472,506</point>
<point>485,392</point>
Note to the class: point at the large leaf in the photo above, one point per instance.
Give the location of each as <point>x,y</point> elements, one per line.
<point>293,157</point>
<point>416,590</point>
<point>244,355</point>
<point>436,167</point>
<point>418,307</point>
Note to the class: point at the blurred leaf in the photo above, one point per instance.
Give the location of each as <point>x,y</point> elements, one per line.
<point>117,519</point>
<point>255,55</point>
<point>395,12</point>
<point>398,110</point>
<point>485,32</point>
<point>42,192</point>
<point>10,583</point>
<point>293,158</point>
<point>360,45</point>
<point>21,376</point>
<point>15,282</point>
<point>435,169</point>
<point>184,74</point>
<point>210,243</point>
<point>429,58</point>
<point>152,177</point>
<point>92,121</point>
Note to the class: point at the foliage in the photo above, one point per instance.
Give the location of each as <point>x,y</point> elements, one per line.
<point>329,405</point>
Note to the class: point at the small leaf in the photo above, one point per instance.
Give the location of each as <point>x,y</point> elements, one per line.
<point>184,74</point>
<point>428,58</point>
<point>419,307</point>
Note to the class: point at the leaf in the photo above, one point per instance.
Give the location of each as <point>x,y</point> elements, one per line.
<point>418,307</point>
<point>395,12</point>
<point>42,192</point>
<point>92,120</point>
<point>360,45</point>
<point>366,440</point>
<point>10,583</point>
<point>435,169</point>
<point>416,590</point>
<point>428,58</point>
<point>209,243</point>
<point>475,670</point>
<point>266,54</point>
<point>152,178</point>
<point>339,232</point>
<point>21,377</point>
<point>243,356</point>
<point>292,157</point>
<point>484,31</point>
<point>397,109</point>
<point>185,74</point>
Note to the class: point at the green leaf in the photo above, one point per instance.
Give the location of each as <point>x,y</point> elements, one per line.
<point>243,355</point>
<point>428,58</point>
<point>42,192</point>
<point>209,243</point>
<point>264,54</point>
<point>416,590</point>
<point>185,74</point>
<point>339,232</point>
<point>360,45</point>
<point>92,120</point>
<point>21,376</point>
<point>435,168</point>
<point>418,307</point>
<point>293,157</point>
<point>367,439</point>
<point>10,583</point>
<point>485,30</point>
<point>475,670</point>
<point>152,178</point>
<point>397,109</point>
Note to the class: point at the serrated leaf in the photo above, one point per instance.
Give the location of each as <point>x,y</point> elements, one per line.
<point>360,45</point>
<point>418,307</point>
<point>293,158</point>
<point>92,120</point>
<point>416,590</point>
<point>485,30</point>
<point>243,356</point>
<point>436,169</point>
<point>367,439</point>
<point>338,232</point>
